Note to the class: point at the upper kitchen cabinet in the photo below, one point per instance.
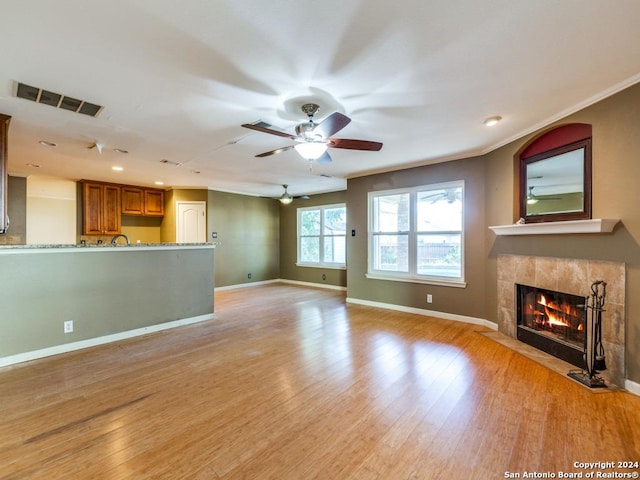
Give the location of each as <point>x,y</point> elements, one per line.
<point>100,208</point>
<point>142,201</point>
<point>4,175</point>
<point>154,202</point>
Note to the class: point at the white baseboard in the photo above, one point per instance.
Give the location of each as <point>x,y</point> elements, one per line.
<point>632,387</point>
<point>92,342</point>
<point>245,285</point>
<point>428,313</point>
<point>315,285</point>
<point>280,280</point>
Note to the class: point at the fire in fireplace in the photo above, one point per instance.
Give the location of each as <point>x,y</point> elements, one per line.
<point>553,322</point>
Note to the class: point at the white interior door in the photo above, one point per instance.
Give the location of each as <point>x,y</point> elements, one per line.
<point>191,222</point>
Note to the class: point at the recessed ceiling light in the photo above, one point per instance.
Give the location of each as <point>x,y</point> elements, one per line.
<point>491,121</point>
<point>121,150</point>
<point>117,168</point>
<point>47,144</point>
<point>159,183</point>
<point>195,171</point>
<point>32,165</point>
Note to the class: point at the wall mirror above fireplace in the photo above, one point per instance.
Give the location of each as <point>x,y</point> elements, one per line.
<point>555,175</point>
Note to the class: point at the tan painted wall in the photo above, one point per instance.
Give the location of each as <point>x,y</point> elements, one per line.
<point>469,301</point>
<point>289,238</point>
<point>616,172</point>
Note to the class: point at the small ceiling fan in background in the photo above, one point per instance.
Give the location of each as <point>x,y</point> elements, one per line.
<point>286,198</point>
<point>312,139</point>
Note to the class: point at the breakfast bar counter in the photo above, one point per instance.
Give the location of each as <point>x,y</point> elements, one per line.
<point>108,292</point>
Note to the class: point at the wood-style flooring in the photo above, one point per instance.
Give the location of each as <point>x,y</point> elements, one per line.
<point>290,382</point>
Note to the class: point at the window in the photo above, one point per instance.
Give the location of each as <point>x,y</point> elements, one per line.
<point>416,234</point>
<point>322,236</point>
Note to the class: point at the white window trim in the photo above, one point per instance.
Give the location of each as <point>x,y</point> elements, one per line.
<point>327,265</point>
<point>412,277</point>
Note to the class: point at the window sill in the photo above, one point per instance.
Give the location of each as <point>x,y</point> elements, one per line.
<point>424,281</point>
<point>325,266</point>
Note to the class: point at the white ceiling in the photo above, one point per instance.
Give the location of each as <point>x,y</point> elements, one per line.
<point>177,79</point>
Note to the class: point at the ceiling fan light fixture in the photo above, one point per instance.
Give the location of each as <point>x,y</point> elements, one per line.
<point>311,150</point>
<point>491,121</point>
<point>285,198</point>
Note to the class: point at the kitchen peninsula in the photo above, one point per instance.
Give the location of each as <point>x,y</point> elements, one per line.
<point>109,292</point>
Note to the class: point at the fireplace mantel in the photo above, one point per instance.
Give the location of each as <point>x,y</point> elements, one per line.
<point>596,225</point>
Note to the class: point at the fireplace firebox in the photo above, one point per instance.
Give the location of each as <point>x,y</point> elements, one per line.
<point>553,322</point>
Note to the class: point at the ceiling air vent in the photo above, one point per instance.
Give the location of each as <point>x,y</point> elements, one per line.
<point>57,100</point>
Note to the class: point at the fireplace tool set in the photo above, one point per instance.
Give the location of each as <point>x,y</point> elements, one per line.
<point>594,357</point>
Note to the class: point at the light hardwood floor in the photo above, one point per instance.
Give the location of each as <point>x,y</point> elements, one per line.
<point>292,383</point>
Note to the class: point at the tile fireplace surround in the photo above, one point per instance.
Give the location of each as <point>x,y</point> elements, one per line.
<point>574,277</point>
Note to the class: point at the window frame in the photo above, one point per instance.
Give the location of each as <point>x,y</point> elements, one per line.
<point>411,274</point>
<point>321,236</point>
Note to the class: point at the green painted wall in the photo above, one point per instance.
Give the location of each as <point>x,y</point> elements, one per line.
<point>104,290</point>
<point>248,237</point>
<point>17,210</point>
<point>289,239</point>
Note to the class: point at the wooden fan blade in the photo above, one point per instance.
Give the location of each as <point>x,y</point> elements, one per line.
<point>266,128</point>
<point>354,144</point>
<point>331,125</point>
<point>273,152</point>
<point>324,158</point>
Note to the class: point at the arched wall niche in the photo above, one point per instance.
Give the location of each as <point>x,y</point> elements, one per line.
<point>555,175</point>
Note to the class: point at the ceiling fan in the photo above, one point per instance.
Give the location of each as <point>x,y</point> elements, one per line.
<point>312,139</point>
<point>533,199</point>
<point>286,198</point>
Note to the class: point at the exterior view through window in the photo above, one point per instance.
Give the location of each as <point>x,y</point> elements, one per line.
<point>417,233</point>
<point>322,236</point>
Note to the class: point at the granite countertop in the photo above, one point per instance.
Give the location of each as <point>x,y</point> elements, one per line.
<point>101,246</point>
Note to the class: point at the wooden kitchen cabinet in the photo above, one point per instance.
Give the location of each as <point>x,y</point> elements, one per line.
<point>142,201</point>
<point>154,202</point>
<point>100,208</point>
<point>132,200</point>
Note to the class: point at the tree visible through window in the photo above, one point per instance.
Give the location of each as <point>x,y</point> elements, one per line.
<point>322,235</point>
<point>417,233</point>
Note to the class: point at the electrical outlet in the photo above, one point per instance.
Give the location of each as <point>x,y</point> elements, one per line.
<point>248,275</point>
<point>68,326</point>
<point>429,298</point>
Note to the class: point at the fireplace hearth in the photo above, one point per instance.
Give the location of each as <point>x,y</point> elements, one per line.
<point>552,321</point>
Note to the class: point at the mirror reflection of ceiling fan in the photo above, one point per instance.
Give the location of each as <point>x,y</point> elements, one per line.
<point>533,199</point>
<point>448,194</point>
<point>313,139</point>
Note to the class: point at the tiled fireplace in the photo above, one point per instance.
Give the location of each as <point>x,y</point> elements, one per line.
<point>572,277</point>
